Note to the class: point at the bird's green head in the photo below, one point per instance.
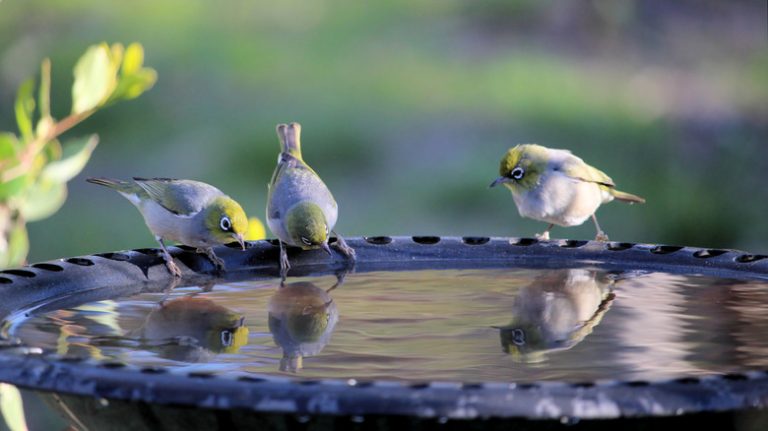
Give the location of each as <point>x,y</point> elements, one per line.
<point>307,227</point>
<point>522,166</point>
<point>226,221</point>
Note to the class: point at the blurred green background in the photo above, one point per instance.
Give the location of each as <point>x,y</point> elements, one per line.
<point>407,107</point>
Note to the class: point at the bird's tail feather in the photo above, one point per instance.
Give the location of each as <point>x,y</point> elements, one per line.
<point>119,185</point>
<point>627,197</point>
<point>290,138</point>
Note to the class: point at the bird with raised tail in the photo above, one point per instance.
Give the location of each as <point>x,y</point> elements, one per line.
<point>189,212</point>
<point>557,187</point>
<point>301,210</point>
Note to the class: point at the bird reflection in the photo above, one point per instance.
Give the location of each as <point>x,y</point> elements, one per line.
<point>193,329</point>
<point>555,312</point>
<point>301,319</point>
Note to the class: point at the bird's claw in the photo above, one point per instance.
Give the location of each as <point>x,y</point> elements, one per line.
<point>601,236</point>
<point>217,262</point>
<point>172,267</point>
<point>544,236</point>
<point>345,249</point>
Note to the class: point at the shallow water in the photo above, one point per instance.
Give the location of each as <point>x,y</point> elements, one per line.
<point>509,325</point>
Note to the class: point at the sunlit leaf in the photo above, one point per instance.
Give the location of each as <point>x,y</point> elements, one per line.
<point>14,187</point>
<point>95,78</point>
<point>12,407</point>
<point>18,246</point>
<point>9,145</point>
<point>43,199</point>
<point>25,107</point>
<point>256,230</point>
<point>132,86</point>
<point>133,59</point>
<point>75,155</point>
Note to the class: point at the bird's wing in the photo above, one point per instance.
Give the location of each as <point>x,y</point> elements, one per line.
<point>576,168</point>
<point>181,197</point>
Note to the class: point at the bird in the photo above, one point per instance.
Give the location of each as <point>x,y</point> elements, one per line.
<point>189,212</point>
<point>301,210</point>
<point>557,187</point>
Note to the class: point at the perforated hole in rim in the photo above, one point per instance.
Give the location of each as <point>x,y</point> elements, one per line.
<point>378,240</point>
<point>20,273</point>
<point>148,251</point>
<point>619,246</point>
<point>749,258</point>
<point>81,261</point>
<point>475,240</point>
<point>235,244</point>
<point>735,377</point>
<point>426,240</point>
<point>187,248</point>
<point>120,257</point>
<point>4,280</point>
<point>48,267</point>
<point>705,254</point>
<point>275,242</point>
<point>688,380</point>
<point>666,249</point>
<point>637,383</point>
<point>526,241</point>
<point>573,243</point>
<point>583,385</point>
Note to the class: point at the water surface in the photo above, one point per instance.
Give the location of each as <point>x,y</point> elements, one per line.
<point>509,325</point>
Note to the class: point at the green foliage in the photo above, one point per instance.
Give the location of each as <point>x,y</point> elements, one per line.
<point>35,166</point>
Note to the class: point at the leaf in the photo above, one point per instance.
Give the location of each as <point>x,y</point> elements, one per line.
<point>43,199</point>
<point>95,78</point>
<point>12,407</point>
<point>44,92</point>
<point>131,86</point>
<point>133,59</point>
<point>73,159</point>
<point>256,230</point>
<point>9,146</point>
<point>18,247</point>
<point>25,107</point>
<point>14,187</point>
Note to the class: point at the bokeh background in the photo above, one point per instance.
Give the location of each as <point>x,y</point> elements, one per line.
<point>407,107</point>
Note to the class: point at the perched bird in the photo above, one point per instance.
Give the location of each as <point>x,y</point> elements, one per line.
<point>301,210</point>
<point>189,212</point>
<point>557,187</point>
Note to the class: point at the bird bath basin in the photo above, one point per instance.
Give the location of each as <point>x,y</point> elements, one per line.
<point>423,330</point>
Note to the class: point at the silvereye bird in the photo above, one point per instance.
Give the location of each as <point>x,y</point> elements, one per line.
<point>557,187</point>
<point>189,212</point>
<point>301,210</point>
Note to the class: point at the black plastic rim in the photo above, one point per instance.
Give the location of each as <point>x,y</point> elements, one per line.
<point>68,282</point>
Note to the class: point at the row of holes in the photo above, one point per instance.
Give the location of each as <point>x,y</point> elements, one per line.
<point>384,240</point>
<point>420,385</point>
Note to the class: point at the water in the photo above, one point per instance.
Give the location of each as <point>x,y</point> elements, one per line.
<point>508,325</point>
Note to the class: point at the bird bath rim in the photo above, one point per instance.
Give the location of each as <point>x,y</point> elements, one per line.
<point>67,282</point>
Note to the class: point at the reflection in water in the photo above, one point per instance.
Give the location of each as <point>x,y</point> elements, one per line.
<point>301,319</point>
<point>192,329</point>
<point>555,312</point>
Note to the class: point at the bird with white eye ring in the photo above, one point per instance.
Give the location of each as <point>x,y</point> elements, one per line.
<point>301,210</point>
<point>189,212</point>
<point>557,187</point>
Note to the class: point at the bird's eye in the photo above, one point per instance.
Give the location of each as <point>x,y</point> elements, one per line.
<point>305,240</point>
<point>518,337</point>
<point>225,224</point>
<point>517,173</point>
<point>226,338</point>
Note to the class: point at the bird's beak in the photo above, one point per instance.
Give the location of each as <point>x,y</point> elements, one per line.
<point>500,180</point>
<point>327,248</point>
<point>239,238</point>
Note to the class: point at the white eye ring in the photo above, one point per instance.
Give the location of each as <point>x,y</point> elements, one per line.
<point>226,338</point>
<point>305,240</point>
<point>517,173</point>
<point>225,224</point>
<point>518,336</point>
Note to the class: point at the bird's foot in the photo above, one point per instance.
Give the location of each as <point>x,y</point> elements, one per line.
<point>345,249</point>
<point>172,267</point>
<point>217,262</point>
<point>284,264</point>
<point>544,236</point>
<point>601,236</point>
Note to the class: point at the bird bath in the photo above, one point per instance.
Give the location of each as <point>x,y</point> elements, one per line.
<point>423,330</point>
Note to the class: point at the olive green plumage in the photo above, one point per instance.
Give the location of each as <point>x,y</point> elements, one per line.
<point>301,210</point>
<point>189,212</point>
<point>556,186</point>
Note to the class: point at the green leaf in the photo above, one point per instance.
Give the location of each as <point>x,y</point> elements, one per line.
<point>74,157</point>
<point>25,107</point>
<point>95,78</point>
<point>12,408</point>
<point>133,59</point>
<point>9,146</point>
<point>18,246</point>
<point>43,199</point>
<point>131,86</point>
<point>14,187</point>
<point>44,92</point>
